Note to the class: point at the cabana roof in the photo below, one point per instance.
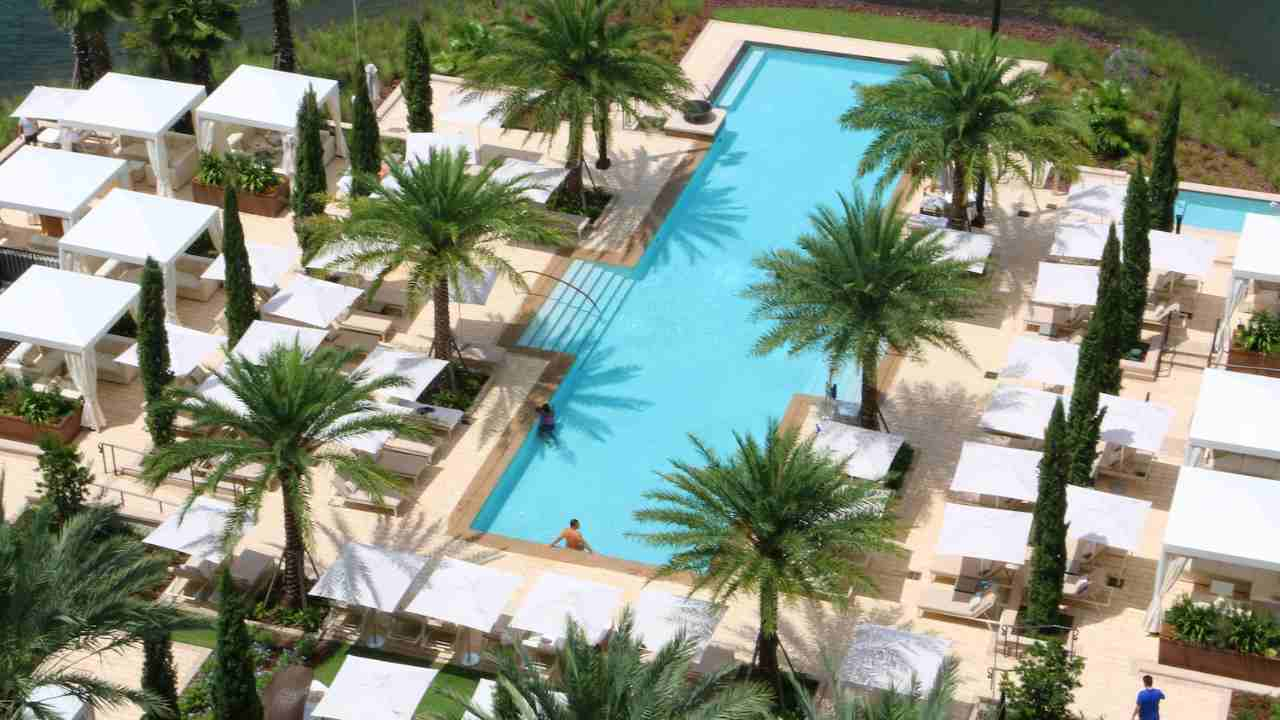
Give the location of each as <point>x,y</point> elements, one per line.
<point>1051,362</point>
<point>1063,284</point>
<point>55,182</point>
<point>47,103</point>
<point>462,109</point>
<point>64,310</point>
<point>131,105</point>
<point>369,576</point>
<point>418,146</point>
<point>262,97</point>
<point>1186,254</point>
<point>555,597</point>
<point>1134,423</point>
<point>267,264</point>
<point>869,452</point>
<point>1105,518</point>
<point>997,470</point>
<point>887,658</point>
<point>984,533</point>
<point>540,180</point>
<point>464,593</point>
<point>1234,412</point>
<point>132,226</point>
<point>1258,252</point>
<point>1225,517</point>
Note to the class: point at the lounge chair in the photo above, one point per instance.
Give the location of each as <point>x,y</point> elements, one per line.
<point>190,285</point>
<point>1155,317</point>
<point>352,496</point>
<point>407,458</point>
<point>940,599</point>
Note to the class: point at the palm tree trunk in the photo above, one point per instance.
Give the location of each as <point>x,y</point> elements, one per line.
<point>295,595</point>
<point>99,54</point>
<point>869,413</point>
<point>601,118</point>
<point>282,37</point>
<point>767,664</point>
<point>980,201</point>
<point>202,71</point>
<point>82,60</point>
<point>959,198</point>
<point>442,345</point>
<point>577,138</point>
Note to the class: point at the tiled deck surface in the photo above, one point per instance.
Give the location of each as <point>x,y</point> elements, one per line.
<point>934,401</point>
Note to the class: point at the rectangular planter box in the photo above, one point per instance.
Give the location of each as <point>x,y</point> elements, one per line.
<point>15,428</point>
<point>265,205</point>
<point>1252,668</point>
<point>1253,363</point>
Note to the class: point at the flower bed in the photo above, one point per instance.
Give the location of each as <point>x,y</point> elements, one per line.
<point>470,385</point>
<point>26,412</point>
<point>1221,638</point>
<point>269,657</point>
<point>261,191</point>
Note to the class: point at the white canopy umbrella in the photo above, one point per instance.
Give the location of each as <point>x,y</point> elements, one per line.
<point>1103,200</point>
<point>1019,411</point>
<point>47,103</point>
<point>997,470</point>
<point>870,452</point>
<point>214,390</point>
<point>482,698</point>
<point>318,303</point>
<point>1045,361</point>
<point>1257,258</point>
<point>131,226</point>
<point>1023,412</point>
<point>555,598</point>
<point>1135,423</point>
<point>58,700</point>
<point>57,183</point>
<point>331,254</point>
<point>197,532</point>
<point>1062,284</point>
<point>187,349</point>
<point>887,658</point>
<point>70,312</point>
<point>368,689</point>
<point>984,533</point>
<point>267,264</point>
<point>659,615</point>
<point>1235,413</point>
<point>418,146</point>
<point>1103,518</point>
<point>369,576</point>
<point>1081,240</point>
<point>541,180</point>
<point>263,335</point>
<point>464,593</point>
<point>260,97</point>
<point>419,369</point>
<point>1186,254</point>
<point>461,109</point>
<point>972,246</point>
<point>134,106</point>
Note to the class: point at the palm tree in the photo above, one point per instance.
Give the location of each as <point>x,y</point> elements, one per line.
<point>184,34</point>
<point>859,284</point>
<point>774,520</point>
<point>575,61</point>
<point>87,22</point>
<point>296,411</point>
<point>895,704</point>
<point>617,682</point>
<point>974,114</point>
<point>73,595</point>
<point>443,223</point>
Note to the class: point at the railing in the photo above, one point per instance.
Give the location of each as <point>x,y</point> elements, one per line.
<point>15,261</point>
<point>111,464</point>
<point>108,493</point>
<point>566,283</point>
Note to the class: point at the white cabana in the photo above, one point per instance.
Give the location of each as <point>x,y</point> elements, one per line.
<point>417,368</point>
<point>869,452</point>
<point>468,595</point>
<point>47,103</point>
<point>306,300</point>
<point>133,106</point>
<point>1257,258</point>
<point>197,532</point>
<point>368,689</point>
<point>1063,284</point>
<point>659,615</point>
<point>1080,240</point>
<point>130,226</point>
<point>555,598</point>
<point>188,349</point>
<point>369,576</point>
<point>1104,201</point>
<point>263,335</point>
<point>1222,518</point>
<point>268,99</point>
<point>1104,518</point>
<point>1044,361</point>
<point>59,701</point>
<point>267,264</point>
<point>1186,254</point>
<point>56,183</point>
<point>972,246</point>
<point>70,312</point>
<point>984,533</point>
<point>998,471</point>
<point>887,658</point>
<point>418,146</point>
<point>1019,411</point>
<point>540,179</point>
<point>1134,423</point>
<point>1235,413</point>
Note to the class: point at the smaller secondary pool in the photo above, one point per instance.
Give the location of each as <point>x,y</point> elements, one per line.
<point>1220,212</point>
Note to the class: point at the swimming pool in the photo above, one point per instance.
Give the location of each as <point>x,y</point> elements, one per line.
<point>667,352</point>
<point>1220,212</point>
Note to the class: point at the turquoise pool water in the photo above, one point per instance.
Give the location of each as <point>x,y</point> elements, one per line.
<point>1220,212</point>
<point>667,352</point>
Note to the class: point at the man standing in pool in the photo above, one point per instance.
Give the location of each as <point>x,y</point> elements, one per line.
<point>572,537</point>
<point>547,423</point>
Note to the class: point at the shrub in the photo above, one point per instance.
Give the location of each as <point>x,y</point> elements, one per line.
<point>1223,625</point>
<point>416,85</point>
<point>235,693</point>
<point>366,156</point>
<point>900,466</point>
<point>64,480</point>
<point>1048,677</point>
<point>1261,334</point>
<point>309,182</point>
<point>241,309</point>
<point>1074,59</point>
<point>42,407</point>
<point>1083,18</point>
<point>153,354</point>
<point>1117,131</point>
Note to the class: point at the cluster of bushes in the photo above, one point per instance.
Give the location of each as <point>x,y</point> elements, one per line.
<point>1224,625</point>
<point>251,173</point>
<point>19,398</point>
<point>1261,334</point>
<point>197,701</point>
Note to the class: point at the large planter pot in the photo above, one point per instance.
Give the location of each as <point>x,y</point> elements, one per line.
<point>697,112</point>
<point>1253,363</point>
<point>15,428</point>
<point>269,205</point>
<point>280,635</point>
<point>1252,668</point>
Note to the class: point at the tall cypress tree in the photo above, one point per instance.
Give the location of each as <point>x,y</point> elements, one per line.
<point>416,84</point>
<point>366,156</point>
<point>309,183</point>
<point>1110,313</point>
<point>235,689</point>
<point>159,675</point>
<point>1137,254</point>
<point>1049,529</point>
<point>153,353</point>
<point>241,309</point>
<point>1164,168</point>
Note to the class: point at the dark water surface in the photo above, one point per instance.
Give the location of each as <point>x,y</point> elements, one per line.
<point>1242,33</point>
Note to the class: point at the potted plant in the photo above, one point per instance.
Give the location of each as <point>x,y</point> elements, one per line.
<point>1221,638</point>
<point>27,411</point>
<point>260,191</point>
<point>697,111</point>
<point>1255,347</point>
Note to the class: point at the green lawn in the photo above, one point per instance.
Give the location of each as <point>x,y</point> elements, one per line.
<point>907,31</point>
<point>435,703</point>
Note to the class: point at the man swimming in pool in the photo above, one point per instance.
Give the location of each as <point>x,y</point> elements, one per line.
<point>547,423</point>
<point>572,537</point>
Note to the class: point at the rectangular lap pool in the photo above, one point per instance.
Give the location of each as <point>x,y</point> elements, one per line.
<point>666,349</point>
<point>1220,212</point>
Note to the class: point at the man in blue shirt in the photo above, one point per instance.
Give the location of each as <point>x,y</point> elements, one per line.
<point>1148,707</point>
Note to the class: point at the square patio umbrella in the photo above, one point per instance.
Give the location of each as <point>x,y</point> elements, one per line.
<point>1135,423</point>
<point>370,577</point>
<point>197,532</point>
<point>1062,284</point>
<point>465,594</point>
<point>187,349</point>
<point>999,471</point>
<point>318,303</point>
<point>869,452</point>
<point>1102,200</point>
<point>1019,411</point>
<point>972,246</point>
<point>213,389</point>
<point>267,265</point>
<point>1181,253</point>
<point>418,146</point>
<point>1104,518</point>
<point>419,369</point>
<point>369,689</point>
<point>263,335</point>
<point>371,443</point>
<point>1081,240</point>
<point>984,533</point>
<point>482,698</point>
<point>555,598</point>
<point>1044,361</point>
<point>888,658</point>
<point>659,615</point>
